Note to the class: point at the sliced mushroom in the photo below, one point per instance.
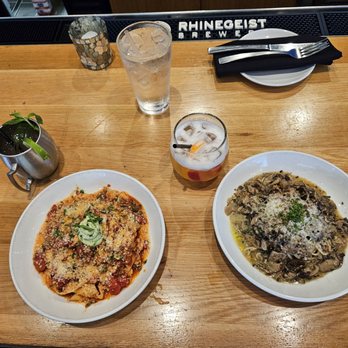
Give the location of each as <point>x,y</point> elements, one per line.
<point>264,245</point>
<point>276,257</point>
<point>273,267</point>
<point>254,220</point>
<point>229,209</point>
<point>312,270</point>
<point>329,265</point>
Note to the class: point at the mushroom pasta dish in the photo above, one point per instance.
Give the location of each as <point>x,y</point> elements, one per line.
<point>92,245</point>
<point>287,227</point>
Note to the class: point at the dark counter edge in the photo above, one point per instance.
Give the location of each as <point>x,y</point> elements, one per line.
<point>321,20</point>
<point>327,20</point>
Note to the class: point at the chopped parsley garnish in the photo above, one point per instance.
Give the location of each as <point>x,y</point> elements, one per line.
<point>94,218</point>
<point>109,209</point>
<point>57,233</point>
<point>296,212</point>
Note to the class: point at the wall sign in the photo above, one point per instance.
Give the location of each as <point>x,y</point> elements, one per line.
<point>218,28</point>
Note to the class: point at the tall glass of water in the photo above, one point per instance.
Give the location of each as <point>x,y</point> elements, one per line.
<point>145,49</point>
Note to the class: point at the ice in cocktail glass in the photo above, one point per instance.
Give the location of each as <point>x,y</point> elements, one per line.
<point>145,49</point>
<point>199,147</point>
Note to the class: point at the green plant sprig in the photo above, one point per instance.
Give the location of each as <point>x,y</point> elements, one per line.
<point>18,118</point>
<point>28,142</point>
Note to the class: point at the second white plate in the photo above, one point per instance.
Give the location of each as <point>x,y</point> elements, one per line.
<point>29,283</point>
<point>330,178</point>
<point>275,78</point>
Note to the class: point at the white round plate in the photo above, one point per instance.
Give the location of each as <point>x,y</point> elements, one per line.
<point>275,78</point>
<point>330,178</point>
<point>27,280</point>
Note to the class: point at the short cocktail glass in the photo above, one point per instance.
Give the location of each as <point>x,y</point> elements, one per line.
<point>145,49</point>
<point>199,147</point>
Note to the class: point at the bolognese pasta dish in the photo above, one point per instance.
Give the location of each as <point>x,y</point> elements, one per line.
<point>92,245</point>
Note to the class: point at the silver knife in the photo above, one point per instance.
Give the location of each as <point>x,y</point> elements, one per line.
<point>269,47</point>
<point>303,52</point>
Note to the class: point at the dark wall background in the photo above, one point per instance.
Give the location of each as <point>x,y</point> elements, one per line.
<point>307,20</point>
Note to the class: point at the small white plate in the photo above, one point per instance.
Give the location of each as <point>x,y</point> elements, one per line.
<point>27,280</point>
<point>275,78</point>
<point>328,177</point>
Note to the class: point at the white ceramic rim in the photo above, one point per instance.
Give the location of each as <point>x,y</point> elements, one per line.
<point>269,77</point>
<point>219,234</point>
<point>150,273</point>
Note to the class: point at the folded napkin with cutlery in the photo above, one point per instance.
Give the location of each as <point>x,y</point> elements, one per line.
<point>273,62</point>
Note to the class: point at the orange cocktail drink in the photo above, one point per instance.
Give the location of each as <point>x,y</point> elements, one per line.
<point>199,147</point>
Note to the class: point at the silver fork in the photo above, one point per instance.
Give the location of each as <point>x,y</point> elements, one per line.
<point>297,53</point>
<point>262,47</point>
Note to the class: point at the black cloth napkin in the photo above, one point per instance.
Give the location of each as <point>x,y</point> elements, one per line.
<point>273,62</point>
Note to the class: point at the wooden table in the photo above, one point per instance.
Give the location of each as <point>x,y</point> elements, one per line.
<point>196,298</point>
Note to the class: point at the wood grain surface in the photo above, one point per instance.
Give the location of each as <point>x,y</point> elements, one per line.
<point>196,299</point>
